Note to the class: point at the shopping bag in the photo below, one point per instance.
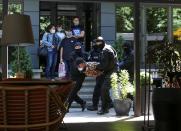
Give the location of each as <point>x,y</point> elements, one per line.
<point>61,70</point>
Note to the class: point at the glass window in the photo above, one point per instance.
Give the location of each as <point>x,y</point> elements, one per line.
<point>14,6</point>
<point>177,24</point>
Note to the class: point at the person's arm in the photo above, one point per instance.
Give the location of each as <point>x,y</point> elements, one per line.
<point>45,40</point>
<point>61,55</point>
<point>104,63</point>
<point>82,34</point>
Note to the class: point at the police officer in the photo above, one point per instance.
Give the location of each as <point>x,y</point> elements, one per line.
<point>108,64</point>
<point>128,60</point>
<point>77,75</point>
<point>95,56</point>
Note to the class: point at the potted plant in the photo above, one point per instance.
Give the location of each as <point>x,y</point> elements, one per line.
<point>24,67</point>
<point>167,100</point>
<point>121,86</point>
<point>145,80</point>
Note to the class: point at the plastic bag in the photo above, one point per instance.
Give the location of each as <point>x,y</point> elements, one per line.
<point>61,70</point>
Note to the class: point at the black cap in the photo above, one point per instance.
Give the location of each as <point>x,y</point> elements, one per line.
<point>100,39</point>
<point>79,60</point>
<point>126,45</point>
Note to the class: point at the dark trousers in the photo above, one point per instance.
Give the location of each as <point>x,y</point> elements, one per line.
<point>97,91</point>
<point>67,66</point>
<point>79,79</point>
<point>51,64</point>
<point>105,94</point>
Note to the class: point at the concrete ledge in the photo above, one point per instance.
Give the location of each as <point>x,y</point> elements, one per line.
<point>36,73</point>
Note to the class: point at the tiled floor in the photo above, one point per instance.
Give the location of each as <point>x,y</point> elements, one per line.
<point>90,121</point>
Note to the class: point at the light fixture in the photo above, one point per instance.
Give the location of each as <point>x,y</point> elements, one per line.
<point>17,31</point>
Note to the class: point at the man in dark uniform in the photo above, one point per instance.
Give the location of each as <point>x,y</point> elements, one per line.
<point>128,60</point>
<point>77,74</point>
<point>95,56</point>
<point>108,64</point>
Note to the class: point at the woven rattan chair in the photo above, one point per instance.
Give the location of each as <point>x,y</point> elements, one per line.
<point>33,107</point>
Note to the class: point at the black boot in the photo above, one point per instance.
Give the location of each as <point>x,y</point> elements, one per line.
<point>92,108</point>
<point>83,106</point>
<point>103,111</point>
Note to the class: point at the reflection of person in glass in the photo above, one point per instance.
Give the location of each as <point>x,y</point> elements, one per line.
<point>78,30</point>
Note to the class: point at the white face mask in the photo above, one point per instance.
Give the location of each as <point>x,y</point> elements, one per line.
<point>52,31</point>
<point>69,34</point>
<point>59,29</point>
<point>80,69</point>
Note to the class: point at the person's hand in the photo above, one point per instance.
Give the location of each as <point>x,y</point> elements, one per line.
<point>76,36</point>
<point>52,46</point>
<point>61,60</point>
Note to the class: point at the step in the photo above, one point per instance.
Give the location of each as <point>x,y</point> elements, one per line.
<point>86,90</point>
<point>89,84</point>
<point>88,103</point>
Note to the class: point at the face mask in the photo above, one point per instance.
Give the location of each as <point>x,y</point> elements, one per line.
<point>126,50</point>
<point>69,34</point>
<point>76,24</point>
<point>80,69</point>
<point>99,47</point>
<point>52,31</point>
<point>78,50</point>
<point>59,29</point>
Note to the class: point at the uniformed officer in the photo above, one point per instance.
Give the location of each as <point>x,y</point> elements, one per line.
<point>95,56</point>
<point>108,64</point>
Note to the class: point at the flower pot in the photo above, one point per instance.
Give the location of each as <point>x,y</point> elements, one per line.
<point>19,75</point>
<point>167,109</point>
<point>122,107</point>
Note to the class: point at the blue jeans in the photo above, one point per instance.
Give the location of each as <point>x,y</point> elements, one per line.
<point>51,64</point>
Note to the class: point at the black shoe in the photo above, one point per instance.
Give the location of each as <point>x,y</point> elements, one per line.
<point>102,112</point>
<point>111,105</point>
<point>83,106</point>
<point>92,108</point>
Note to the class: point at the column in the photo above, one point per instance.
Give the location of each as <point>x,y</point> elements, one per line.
<point>31,7</point>
<point>108,22</point>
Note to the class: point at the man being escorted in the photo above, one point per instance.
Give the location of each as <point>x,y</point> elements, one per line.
<point>77,75</point>
<point>108,64</point>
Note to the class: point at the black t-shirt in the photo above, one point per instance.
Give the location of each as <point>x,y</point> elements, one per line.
<point>76,31</point>
<point>68,47</point>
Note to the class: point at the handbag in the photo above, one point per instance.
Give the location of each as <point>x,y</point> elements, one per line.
<point>42,51</point>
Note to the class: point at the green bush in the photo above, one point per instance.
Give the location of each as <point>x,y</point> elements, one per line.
<point>143,77</point>
<point>121,85</point>
<point>25,61</point>
<point>118,47</point>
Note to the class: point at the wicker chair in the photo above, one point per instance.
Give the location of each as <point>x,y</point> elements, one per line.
<point>32,107</point>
